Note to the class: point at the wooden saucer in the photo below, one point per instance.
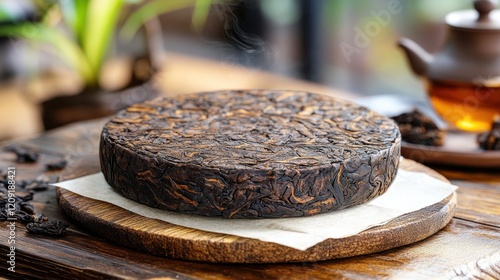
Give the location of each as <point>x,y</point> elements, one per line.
<point>164,239</point>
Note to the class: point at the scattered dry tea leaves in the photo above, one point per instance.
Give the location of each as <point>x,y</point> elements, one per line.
<point>416,128</point>
<point>490,140</point>
<point>14,205</point>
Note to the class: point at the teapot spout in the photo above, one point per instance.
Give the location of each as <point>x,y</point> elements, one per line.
<point>418,58</point>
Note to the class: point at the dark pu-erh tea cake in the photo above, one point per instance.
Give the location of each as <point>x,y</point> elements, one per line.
<point>250,154</point>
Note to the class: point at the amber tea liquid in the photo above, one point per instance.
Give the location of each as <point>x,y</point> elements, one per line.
<point>470,108</point>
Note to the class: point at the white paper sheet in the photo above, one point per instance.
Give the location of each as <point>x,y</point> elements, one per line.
<point>410,191</point>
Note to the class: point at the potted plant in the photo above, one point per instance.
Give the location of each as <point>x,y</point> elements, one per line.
<point>81,35</point>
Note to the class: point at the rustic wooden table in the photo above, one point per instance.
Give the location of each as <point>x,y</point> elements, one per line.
<point>467,248</point>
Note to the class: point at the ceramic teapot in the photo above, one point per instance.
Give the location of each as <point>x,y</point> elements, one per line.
<point>463,78</point>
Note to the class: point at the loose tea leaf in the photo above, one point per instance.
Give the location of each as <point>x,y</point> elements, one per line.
<point>490,140</point>
<point>48,227</point>
<point>250,154</point>
<point>24,155</point>
<point>56,165</point>
<point>416,128</point>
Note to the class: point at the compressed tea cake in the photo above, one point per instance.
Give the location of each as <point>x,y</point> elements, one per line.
<point>250,154</point>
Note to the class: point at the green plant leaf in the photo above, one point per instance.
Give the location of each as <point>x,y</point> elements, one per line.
<point>100,23</point>
<point>148,11</point>
<point>200,13</point>
<point>67,49</point>
<point>75,15</point>
<point>5,15</point>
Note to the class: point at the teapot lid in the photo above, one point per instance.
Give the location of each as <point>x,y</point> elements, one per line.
<point>484,17</point>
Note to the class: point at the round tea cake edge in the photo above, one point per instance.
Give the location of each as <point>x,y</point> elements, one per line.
<point>248,193</point>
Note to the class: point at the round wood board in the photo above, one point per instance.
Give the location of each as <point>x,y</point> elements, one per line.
<point>164,239</point>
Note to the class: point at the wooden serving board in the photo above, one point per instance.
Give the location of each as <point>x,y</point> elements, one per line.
<point>164,239</point>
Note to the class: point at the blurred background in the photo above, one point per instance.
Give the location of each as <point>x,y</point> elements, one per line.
<point>342,44</point>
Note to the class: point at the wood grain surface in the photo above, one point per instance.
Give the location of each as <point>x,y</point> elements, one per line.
<point>160,238</point>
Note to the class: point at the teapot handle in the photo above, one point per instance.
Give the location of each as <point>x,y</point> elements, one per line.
<point>484,7</point>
